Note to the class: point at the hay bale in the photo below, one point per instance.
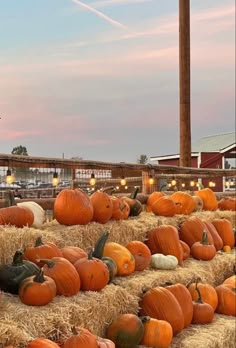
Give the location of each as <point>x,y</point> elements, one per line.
<point>55,320</point>
<point>212,272</point>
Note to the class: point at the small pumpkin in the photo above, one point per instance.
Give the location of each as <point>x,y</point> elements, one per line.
<point>64,274</point>
<point>227,203</point>
<point>135,205</point>
<point>102,206</point>
<point>157,333</point>
<point>226,299</point>
<point>11,275</point>
<point>203,250</point>
<point>208,293</point>
<point>41,250</point>
<point>81,338</point>
<point>141,254</point>
<point>160,261</point>
<point>73,207</point>
<point>93,273</point>
<point>152,198</point>
<point>126,331</point>
<point>203,312</point>
<point>42,343</point>
<point>37,290</point>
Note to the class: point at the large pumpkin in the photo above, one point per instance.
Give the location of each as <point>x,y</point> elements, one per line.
<point>164,206</point>
<point>81,338</point>
<point>225,230</point>
<point>157,333</point>
<point>126,331</point>
<point>208,197</point>
<point>141,254</point>
<point>217,240</point>
<point>184,202</point>
<point>102,206</point>
<point>16,216</point>
<point>73,207</point>
<point>191,231</point>
<point>152,198</point>
<point>226,299</point>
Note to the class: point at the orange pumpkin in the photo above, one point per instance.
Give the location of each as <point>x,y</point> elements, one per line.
<point>164,239</point>
<point>73,253</point>
<point>73,207</point>
<point>217,240</point>
<point>225,230</point>
<point>81,338</point>
<point>125,331</point>
<point>120,208</point>
<point>164,206</point>
<point>64,274</point>
<point>102,206</point>
<point>203,313</point>
<point>231,280</point>
<point>227,203</point>
<point>160,303</point>
<point>16,216</point>
<point>141,254</point>
<point>152,198</point>
<point>208,197</point>
<point>208,293</point>
<point>42,343</point>
<point>191,231</point>
<point>184,202</point>
<point>122,256</point>
<point>203,250</point>
<point>157,333</point>
<point>186,249</point>
<point>226,299</point>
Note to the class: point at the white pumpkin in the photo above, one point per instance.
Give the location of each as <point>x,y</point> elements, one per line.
<point>199,203</point>
<point>161,261</point>
<point>37,210</point>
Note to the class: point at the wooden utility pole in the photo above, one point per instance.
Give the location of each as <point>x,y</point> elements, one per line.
<point>184,83</point>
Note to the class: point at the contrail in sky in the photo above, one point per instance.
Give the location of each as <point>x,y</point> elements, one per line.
<point>100,14</point>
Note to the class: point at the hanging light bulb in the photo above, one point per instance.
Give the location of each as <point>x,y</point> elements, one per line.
<point>55,179</point>
<point>122,181</point>
<point>192,183</point>
<point>92,180</point>
<point>151,180</point>
<point>183,184</point>
<point>9,177</point>
<point>173,182</point>
<point>211,184</point>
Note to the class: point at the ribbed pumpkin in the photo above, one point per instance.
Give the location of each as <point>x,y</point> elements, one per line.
<point>184,202</point>
<point>93,273</point>
<point>157,333</point>
<point>42,343</point>
<point>120,208</point>
<point>102,206</point>
<point>164,239</point>
<point>184,298</point>
<point>226,299</point>
<point>64,274</point>
<point>73,207</point>
<point>126,331</point>
<point>122,256</point>
<point>203,250</point>
<point>191,231</point>
<point>152,198</point>
<point>37,290</point>
<point>105,343</point>
<point>164,206</point>
<point>141,254</point>
<point>203,313</point>
<point>208,197</point>
<point>81,338</point>
<point>217,240</point>
<point>227,203</point>
<point>160,303</point>
<point>73,253</point>
<point>16,216</point>
<point>41,250</point>
<point>208,293</point>
<point>225,230</point>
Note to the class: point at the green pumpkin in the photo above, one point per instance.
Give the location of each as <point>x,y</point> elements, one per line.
<point>112,267</point>
<point>11,275</point>
<point>135,205</point>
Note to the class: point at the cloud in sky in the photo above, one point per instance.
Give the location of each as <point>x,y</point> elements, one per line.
<point>106,92</point>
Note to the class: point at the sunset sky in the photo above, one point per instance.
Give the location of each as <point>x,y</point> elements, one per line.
<point>99,79</point>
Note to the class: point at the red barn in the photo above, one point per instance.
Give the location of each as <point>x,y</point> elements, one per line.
<point>217,151</point>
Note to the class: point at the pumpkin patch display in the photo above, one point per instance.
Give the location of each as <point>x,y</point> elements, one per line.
<point>203,250</point>
<point>157,333</point>
<point>126,331</point>
<point>16,216</point>
<point>37,290</point>
<point>11,275</point>
<point>81,338</point>
<point>63,273</point>
<point>102,206</point>
<point>141,254</point>
<point>41,250</point>
<point>73,207</point>
<point>93,273</point>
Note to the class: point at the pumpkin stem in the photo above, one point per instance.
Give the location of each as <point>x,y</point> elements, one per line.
<point>39,278</point>
<point>38,241</point>
<point>9,199</point>
<point>199,300</point>
<point>134,193</point>
<point>17,258</point>
<point>90,254</point>
<point>99,246</point>
<point>145,319</point>
<point>204,240</point>
<point>49,262</point>
<point>74,331</point>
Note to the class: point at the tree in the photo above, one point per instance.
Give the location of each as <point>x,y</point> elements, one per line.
<point>20,150</point>
<point>143,159</point>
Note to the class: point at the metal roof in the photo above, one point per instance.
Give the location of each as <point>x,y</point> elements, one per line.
<point>214,143</point>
